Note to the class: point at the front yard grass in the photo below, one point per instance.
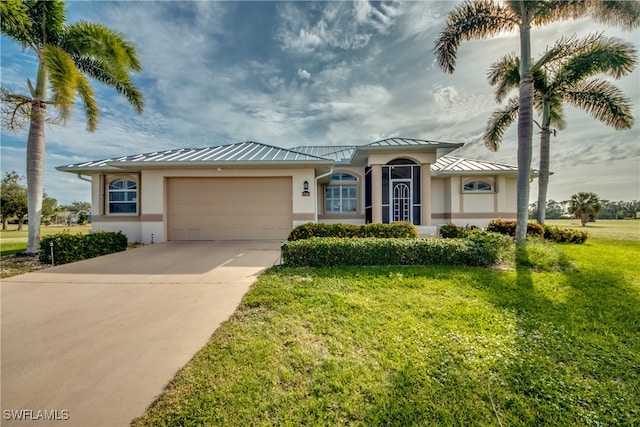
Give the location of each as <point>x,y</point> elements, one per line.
<point>424,346</point>
<point>14,242</point>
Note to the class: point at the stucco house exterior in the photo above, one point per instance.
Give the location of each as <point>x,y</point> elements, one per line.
<point>254,191</point>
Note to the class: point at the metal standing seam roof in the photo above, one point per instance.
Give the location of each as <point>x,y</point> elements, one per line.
<point>458,164</point>
<point>337,153</point>
<point>240,152</point>
<point>408,142</point>
<point>255,152</point>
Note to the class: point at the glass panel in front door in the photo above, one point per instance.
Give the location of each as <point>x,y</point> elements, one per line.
<point>401,202</point>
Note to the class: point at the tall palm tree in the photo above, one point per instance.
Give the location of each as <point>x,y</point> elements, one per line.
<point>486,18</point>
<point>68,54</point>
<point>563,74</point>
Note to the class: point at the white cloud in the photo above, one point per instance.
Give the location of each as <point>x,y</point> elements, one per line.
<point>304,74</point>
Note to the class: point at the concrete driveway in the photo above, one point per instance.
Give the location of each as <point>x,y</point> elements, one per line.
<point>94,342</point>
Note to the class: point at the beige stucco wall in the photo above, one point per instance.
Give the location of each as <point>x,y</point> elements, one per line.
<point>437,195</point>
<point>451,205</point>
<point>152,199</point>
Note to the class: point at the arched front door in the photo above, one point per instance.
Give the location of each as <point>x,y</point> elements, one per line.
<point>401,201</point>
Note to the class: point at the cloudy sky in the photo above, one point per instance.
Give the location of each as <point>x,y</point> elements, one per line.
<point>312,73</point>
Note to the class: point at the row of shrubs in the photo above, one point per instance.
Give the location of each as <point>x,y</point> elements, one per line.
<point>69,247</point>
<point>479,249</point>
<point>508,227</point>
<point>396,230</point>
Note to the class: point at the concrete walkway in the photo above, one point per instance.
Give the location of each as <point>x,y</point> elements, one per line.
<point>94,342</point>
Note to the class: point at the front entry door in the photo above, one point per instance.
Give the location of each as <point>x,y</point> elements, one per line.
<point>401,200</point>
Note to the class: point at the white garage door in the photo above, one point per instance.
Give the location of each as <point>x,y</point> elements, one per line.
<point>229,208</point>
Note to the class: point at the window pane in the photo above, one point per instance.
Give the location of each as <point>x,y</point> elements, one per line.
<point>333,206</point>
<point>468,186</point>
<point>483,186</point>
<point>349,206</point>
<point>116,185</point>
<point>131,196</point>
<point>122,208</point>
<point>349,191</point>
<point>116,196</point>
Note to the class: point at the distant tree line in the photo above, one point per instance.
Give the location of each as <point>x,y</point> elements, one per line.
<point>13,205</point>
<point>609,209</point>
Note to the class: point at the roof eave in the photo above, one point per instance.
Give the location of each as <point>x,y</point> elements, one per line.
<point>533,174</point>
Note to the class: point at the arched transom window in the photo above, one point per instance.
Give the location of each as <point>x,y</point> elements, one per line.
<point>341,195</point>
<point>478,186</point>
<point>123,196</point>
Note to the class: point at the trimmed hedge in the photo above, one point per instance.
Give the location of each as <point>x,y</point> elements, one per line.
<point>479,249</point>
<point>548,232</point>
<point>396,230</point>
<point>75,247</point>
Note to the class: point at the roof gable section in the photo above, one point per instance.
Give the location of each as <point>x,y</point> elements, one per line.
<point>451,164</point>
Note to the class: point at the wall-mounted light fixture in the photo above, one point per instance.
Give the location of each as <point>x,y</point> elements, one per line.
<point>305,186</point>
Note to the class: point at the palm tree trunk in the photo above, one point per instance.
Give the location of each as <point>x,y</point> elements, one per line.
<point>525,128</point>
<point>543,178</point>
<point>35,161</point>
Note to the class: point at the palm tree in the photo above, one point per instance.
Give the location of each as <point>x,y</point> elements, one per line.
<point>68,54</point>
<point>585,205</point>
<point>486,18</point>
<point>562,75</point>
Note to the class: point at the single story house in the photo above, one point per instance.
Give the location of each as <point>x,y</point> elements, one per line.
<point>253,191</point>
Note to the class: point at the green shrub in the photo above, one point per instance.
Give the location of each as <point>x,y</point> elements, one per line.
<point>479,249</point>
<point>565,235</point>
<point>75,247</point>
<point>395,230</point>
<point>452,231</point>
<point>508,227</point>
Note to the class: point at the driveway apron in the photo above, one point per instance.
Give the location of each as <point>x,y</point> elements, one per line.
<point>94,342</point>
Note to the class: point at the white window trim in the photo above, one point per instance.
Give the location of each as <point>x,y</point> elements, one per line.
<point>486,181</point>
<point>107,203</point>
<point>343,183</point>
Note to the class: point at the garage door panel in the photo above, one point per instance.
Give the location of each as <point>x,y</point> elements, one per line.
<point>229,208</point>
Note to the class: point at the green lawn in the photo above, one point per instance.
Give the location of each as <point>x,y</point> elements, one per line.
<point>13,241</point>
<point>610,229</point>
<point>425,346</point>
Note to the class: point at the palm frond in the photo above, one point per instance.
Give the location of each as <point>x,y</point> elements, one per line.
<point>505,75</point>
<point>563,49</point>
<point>15,22</point>
<point>544,12</point>
<point>471,20</point>
<point>87,39</point>
<point>99,71</point>
<point>85,91</point>
<point>604,101</point>
<point>498,123</point>
<point>624,14</point>
<point>609,56</point>
<point>106,56</point>
<point>48,18</point>
<point>63,79</point>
